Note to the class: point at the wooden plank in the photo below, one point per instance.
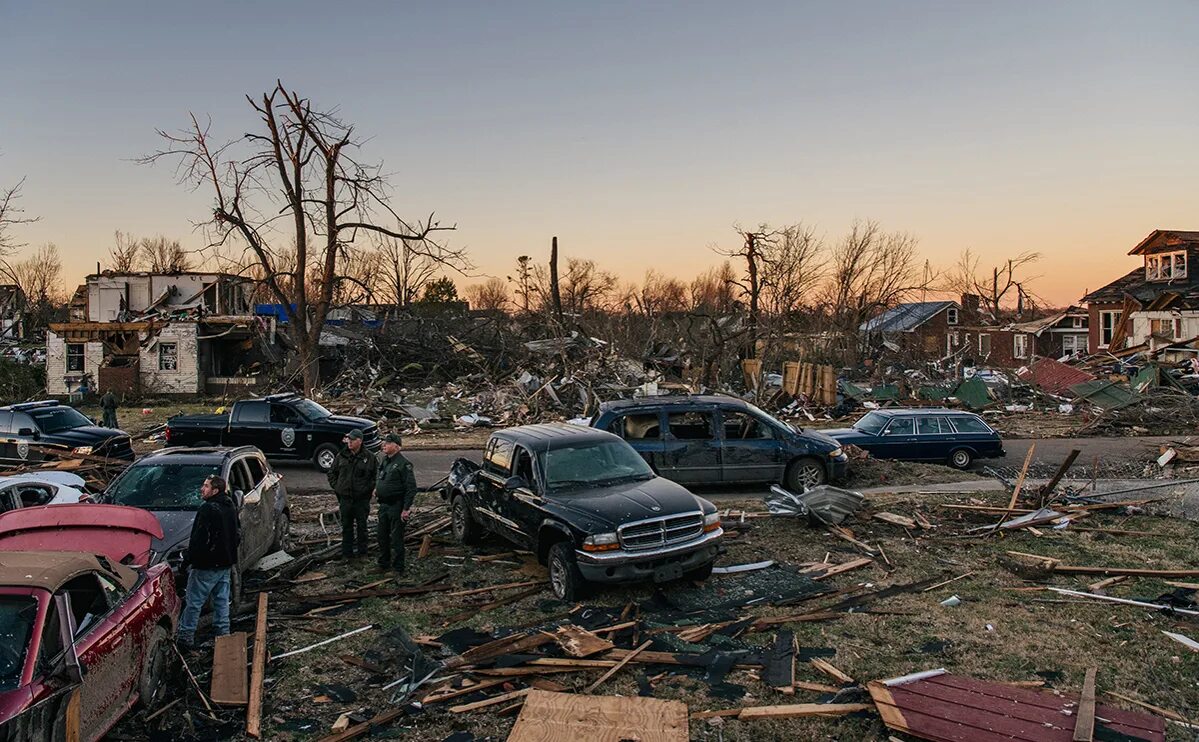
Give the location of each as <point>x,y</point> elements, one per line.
<point>627,659</point>
<point>1095,586</point>
<point>365,727</point>
<point>826,668</point>
<point>494,604</point>
<point>1051,485</point>
<point>459,692</point>
<point>1128,571</point>
<point>579,642</point>
<point>837,569</point>
<point>1019,485</point>
<point>895,520</point>
<point>1084,724</point>
<point>257,672</point>
<point>506,645</point>
<point>480,590</point>
<point>229,683</point>
<point>553,717</point>
<point>466,707</point>
<point>801,710</point>
<point>426,543</point>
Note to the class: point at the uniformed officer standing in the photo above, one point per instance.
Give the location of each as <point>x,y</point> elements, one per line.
<point>395,489</point>
<point>352,477</point>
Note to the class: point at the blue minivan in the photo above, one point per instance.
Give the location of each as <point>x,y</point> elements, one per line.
<point>953,437</point>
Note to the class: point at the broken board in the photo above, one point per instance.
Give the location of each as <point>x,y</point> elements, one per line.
<point>549,717</point>
<point>953,708</point>
<point>230,686</point>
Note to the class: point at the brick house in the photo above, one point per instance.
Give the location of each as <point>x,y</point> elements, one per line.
<point>1012,346</point>
<point>181,333</point>
<point>922,328</point>
<point>1155,304</point>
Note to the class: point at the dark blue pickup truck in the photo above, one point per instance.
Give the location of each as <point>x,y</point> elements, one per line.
<point>26,427</point>
<point>285,427</point>
<point>928,434</point>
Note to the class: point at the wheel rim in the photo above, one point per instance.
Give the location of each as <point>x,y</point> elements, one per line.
<point>961,458</point>
<point>557,577</point>
<point>809,475</point>
<point>325,459</point>
<point>459,520</point>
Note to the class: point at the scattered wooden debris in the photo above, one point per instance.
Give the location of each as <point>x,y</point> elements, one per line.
<point>578,642</point>
<point>495,604</point>
<point>229,686</point>
<point>503,698</point>
<point>565,716</point>
<point>896,520</point>
<point>257,671</point>
<point>626,660</point>
<point>826,668</point>
<point>1084,725</point>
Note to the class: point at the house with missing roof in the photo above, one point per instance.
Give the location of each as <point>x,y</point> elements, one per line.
<point>1156,304</point>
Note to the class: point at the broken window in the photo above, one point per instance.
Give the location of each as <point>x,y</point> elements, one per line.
<point>87,602</point>
<point>522,465</point>
<point>984,345</point>
<point>17,614</point>
<point>637,427</point>
<point>499,457</point>
<point>1166,266</point>
<point>74,357</point>
<point>1165,328</point>
<point>1108,320</point>
<point>168,357</point>
<point>694,426</point>
<point>1074,344</point>
<point>1020,346</point>
<point>740,426</point>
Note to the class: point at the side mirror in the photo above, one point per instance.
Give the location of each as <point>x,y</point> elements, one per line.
<point>27,432</point>
<point>515,483</point>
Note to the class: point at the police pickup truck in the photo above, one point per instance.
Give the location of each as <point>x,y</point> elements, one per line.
<point>285,427</point>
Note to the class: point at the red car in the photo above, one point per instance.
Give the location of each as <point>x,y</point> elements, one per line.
<point>84,632</point>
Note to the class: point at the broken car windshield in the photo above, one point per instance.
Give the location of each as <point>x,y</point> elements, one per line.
<point>594,465</point>
<point>17,614</point>
<point>873,423</point>
<point>162,486</point>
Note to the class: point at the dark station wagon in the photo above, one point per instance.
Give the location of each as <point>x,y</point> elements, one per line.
<point>953,437</point>
<point>721,440</point>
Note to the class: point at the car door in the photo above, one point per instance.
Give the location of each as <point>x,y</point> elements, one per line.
<point>749,450</point>
<point>250,425</point>
<point>20,437</point>
<point>265,484</point>
<point>250,514</point>
<point>106,649</point>
<point>973,432</point>
<point>286,440</point>
<point>692,450</point>
<point>643,431</point>
<point>898,439</point>
<point>497,467</point>
<point>934,437</point>
<point>522,507</point>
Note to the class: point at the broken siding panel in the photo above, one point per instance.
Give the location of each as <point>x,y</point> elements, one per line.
<point>156,372</point>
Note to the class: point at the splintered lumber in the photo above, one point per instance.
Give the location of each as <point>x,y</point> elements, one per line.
<point>257,671</point>
<point>441,697</point>
<point>311,647</point>
<point>1126,571</point>
<point>1167,713</point>
<point>495,604</point>
<point>831,671</point>
<point>504,698</point>
<point>229,686</point>
<point>1096,586</point>
<point>627,659</point>
<point>492,588</point>
<point>388,593</point>
<point>825,571</point>
<point>365,727</point>
<point>513,644</point>
<point>1051,485</point>
<point>1019,485</point>
<point>425,544</point>
<point>946,582</point>
<point>551,717</point>
<point>895,520</point>
<point>1084,724</point>
<point>800,710</point>
<point>578,642</point>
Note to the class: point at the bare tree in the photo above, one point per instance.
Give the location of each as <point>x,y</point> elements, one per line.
<point>1003,285</point>
<point>407,266</point>
<point>659,294</point>
<point>524,282</point>
<point>491,295</point>
<point>122,256</point>
<point>586,287</point>
<point>793,266</point>
<point>296,198</point>
<point>713,291</point>
<point>161,255</point>
<point>39,276</point>
<point>11,215</point>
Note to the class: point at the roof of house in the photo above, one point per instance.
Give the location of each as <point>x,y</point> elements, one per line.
<point>1134,284</point>
<point>1038,326</point>
<point>906,317</point>
<point>1180,235</point>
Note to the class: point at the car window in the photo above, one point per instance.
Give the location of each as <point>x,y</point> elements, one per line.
<point>969,424</point>
<point>33,495</point>
<point>593,464</point>
<point>6,422</point>
<point>522,464</point>
<point>499,457</point>
<point>55,419</point>
<point>89,602</point>
<point>17,614</point>
<point>902,426</point>
<point>281,413</point>
<point>7,501</point>
<point>637,426</point>
<point>112,591</point>
<point>21,420</point>
<point>252,412</point>
<point>693,425</point>
<point>161,486</point>
<point>51,638</point>
<point>257,470</point>
<point>239,477</point>
<point>738,426</point>
<point>932,426</point>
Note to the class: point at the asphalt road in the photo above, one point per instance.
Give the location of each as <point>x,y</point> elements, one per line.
<point>431,465</point>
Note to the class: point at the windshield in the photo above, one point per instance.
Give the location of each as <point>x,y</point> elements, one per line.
<point>873,423</point>
<point>311,410</point>
<point>162,486</point>
<point>594,465</point>
<point>17,613</point>
<point>59,418</point>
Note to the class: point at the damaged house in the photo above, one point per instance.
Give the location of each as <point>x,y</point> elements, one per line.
<point>926,328</point>
<point>154,333</point>
<point>1059,335</point>
<point>1156,304</point>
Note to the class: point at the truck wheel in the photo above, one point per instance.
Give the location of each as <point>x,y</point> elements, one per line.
<point>325,455</point>
<point>960,459</point>
<point>466,530</point>
<point>699,574</point>
<point>156,668</point>
<point>805,473</point>
<point>565,579</point>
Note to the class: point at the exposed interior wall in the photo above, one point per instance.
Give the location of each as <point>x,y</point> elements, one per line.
<point>185,377</point>
<point>60,381</point>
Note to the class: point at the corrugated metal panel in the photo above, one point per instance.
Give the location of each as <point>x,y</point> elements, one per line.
<point>1053,376</point>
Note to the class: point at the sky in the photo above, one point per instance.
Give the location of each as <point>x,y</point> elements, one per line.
<point>639,133</point>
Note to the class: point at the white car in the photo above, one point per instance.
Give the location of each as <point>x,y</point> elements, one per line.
<point>42,488</point>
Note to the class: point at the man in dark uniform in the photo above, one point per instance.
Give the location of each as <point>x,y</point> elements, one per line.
<point>395,488</point>
<point>108,403</point>
<point>353,479</point>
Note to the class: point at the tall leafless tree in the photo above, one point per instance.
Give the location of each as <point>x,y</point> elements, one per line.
<point>1004,285</point>
<point>11,215</point>
<point>524,282</point>
<point>405,267</point>
<point>162,255</point>
<point>39,276</point>
<point>123,255</point>
<point>491,295</point>
<point>294,195</point>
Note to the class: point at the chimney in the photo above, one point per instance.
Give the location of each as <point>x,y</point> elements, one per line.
<point>970,309</point>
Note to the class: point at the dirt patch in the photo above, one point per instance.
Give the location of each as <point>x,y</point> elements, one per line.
<point>878,473</point>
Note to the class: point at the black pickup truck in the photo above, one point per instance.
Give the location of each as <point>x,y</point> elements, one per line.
<point>285,427</point>
<point>587,505</point>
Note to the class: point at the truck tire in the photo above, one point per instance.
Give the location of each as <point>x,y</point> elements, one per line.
<point>462,520</point>
<point>324,456</point>
<point>565,579</point>
<point>699,574</point>
<point>805,473</point>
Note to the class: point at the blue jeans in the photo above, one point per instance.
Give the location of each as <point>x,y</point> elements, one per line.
<point>201,583</point>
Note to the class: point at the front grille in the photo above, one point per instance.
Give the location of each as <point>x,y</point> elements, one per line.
<point>119,447</point>
<point>659,532</point>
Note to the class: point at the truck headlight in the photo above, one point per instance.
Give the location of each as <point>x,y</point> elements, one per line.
<point>82,450</point>
<point>836,453</point>
<point>601,542</point>
<point>711,522</point>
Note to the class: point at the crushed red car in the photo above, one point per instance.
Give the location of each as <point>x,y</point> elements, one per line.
<point>80,622</point>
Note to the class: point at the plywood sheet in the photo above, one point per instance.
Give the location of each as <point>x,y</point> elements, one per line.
<point>230,686</point>
<point>552,717</point>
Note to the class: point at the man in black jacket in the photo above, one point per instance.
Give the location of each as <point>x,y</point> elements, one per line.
<point>353,480</point>
<point>211,551</point>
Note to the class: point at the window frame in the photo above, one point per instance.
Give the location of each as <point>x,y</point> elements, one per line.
<point>710,414</point>
<point>1106,333</point>
<point>164,358</point>
<point>78,359</point>
<point>952,315</point>
<point>1166,266</point>
<point>888,431</point>
<point>1020,346</point>
<point>987,351</point>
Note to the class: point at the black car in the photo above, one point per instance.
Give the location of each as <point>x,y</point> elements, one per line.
<point>52,424</point>
<point>714,440</point>
<point>167,483</point>
<point>948,436</point>
<point>285,427</point>
<point>587,505</point>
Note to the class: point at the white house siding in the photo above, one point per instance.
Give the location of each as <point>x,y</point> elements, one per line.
<point>58,381</point>
<point>186,378</point>
<point>1142,323</point>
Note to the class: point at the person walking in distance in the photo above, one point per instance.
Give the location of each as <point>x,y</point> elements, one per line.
<point>108,404</point>
<point>352,478</point>
<point>211,552</point>
<point>395,488</point>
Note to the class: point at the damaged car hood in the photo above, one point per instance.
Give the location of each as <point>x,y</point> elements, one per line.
<point>176,528</point>
<point>121,533</point>
<point>633,501</point>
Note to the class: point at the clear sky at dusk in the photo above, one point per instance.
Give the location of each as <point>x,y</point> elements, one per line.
<point>639,132</point>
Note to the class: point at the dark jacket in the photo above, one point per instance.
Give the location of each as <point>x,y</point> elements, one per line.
<point>396,484</point>
<point>353,475</point>
<point>215,535</point>
<point>108,401</point>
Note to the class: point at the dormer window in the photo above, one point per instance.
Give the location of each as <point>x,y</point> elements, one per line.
<point>1166,266</point>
